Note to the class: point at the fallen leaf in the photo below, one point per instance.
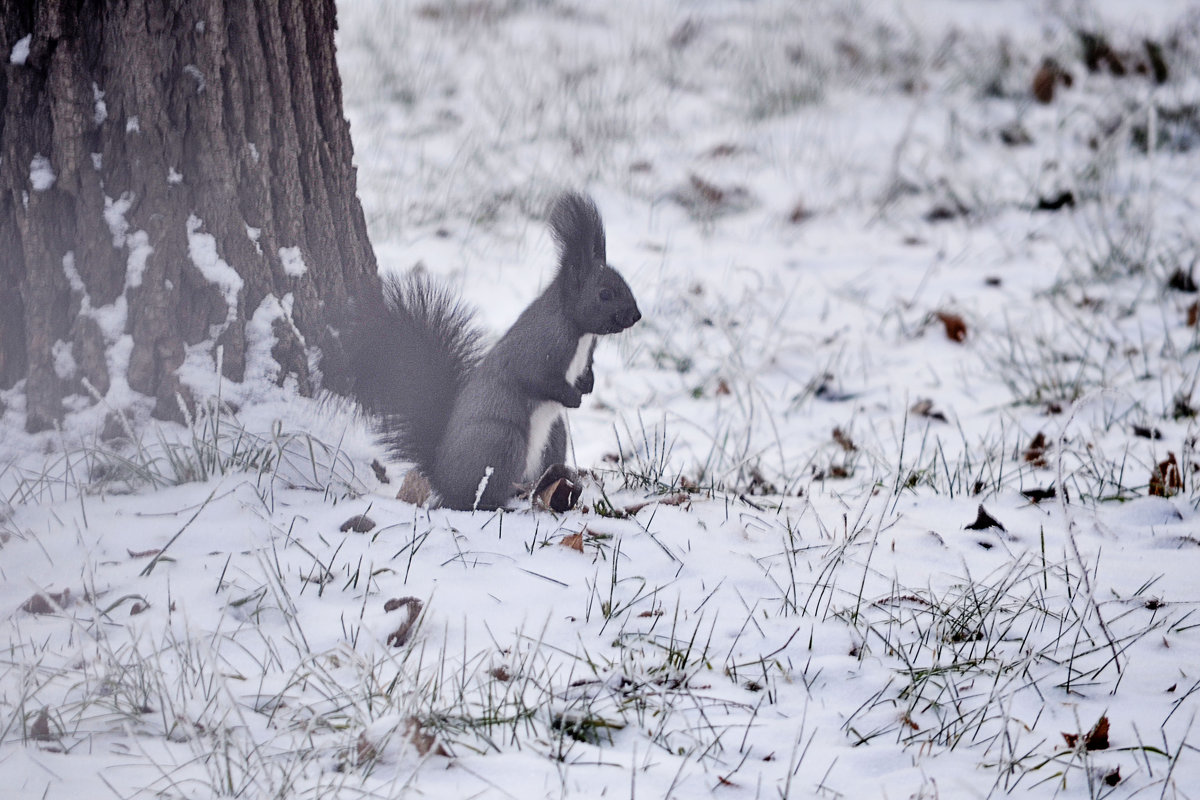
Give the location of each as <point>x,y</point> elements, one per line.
<point>956,328</point>
<point>364,750</point>
<point>924,408</point>
<point>399,637</point>
<point>1095,739</point>
<point>1064,199</point>
<point>1038,495</point>
<point>1182,281</point>
<point>422,741</point>
<point>1166,479</point>
<point>40,729</point>
<point>799,213</point>
<point>984,520</point>
<point>1193,314</point>
<point>143,553</point>
<point>48,603</point>
<point>359,523</point>
<point>573,541</point>
<point>1047,78</point>
<point>1035,453</point>
<point>843,439</point>
<point>415,489</point>
<point>1146,433</point>
<point>669,500</point>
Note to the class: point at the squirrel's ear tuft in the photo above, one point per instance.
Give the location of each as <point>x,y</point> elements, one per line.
<point>579,231</point>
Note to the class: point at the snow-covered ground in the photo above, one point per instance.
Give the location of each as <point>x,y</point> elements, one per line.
<point>891,300</point>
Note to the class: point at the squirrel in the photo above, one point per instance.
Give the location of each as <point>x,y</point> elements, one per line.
<point>479,425</point>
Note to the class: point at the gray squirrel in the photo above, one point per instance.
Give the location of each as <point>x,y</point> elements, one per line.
<point>478,425</point>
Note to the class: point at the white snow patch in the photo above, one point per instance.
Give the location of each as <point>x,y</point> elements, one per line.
<point>99,107</point>
<point>293,261</point>
<point>195,74</point>
<point>202,248</point>
<point>20,50</point>
<point>73,277</point>
<point>111,318</point>
<point>114,216</point>
<point>139,251</point>
<point>132,125</point>
<point>97,161</point>
<point>64,360</point>
<point>261,367</point>
<point>41,174</point>
<point>117,359</point>
<point>173,176</point>
<point>253,235</point>
<point>253,148</point>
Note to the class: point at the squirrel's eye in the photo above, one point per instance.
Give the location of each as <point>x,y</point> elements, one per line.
<point>605,295</point>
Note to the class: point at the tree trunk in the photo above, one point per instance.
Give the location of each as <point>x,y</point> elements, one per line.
<point>175,182</point>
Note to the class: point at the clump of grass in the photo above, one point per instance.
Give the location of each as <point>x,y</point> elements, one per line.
<point>213,442</point>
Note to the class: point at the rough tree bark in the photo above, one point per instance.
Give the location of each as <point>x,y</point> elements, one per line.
<point>169,169</point>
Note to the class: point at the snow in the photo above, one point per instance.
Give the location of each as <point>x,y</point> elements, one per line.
<point>202,249</point>
<point>99,107</point>
<point>114,217</point>
<point>292,261</point>
<point>41,174</point>
<point>72,274</point>
<point>808,603</point>
<point>64,360</point>
<point>20,50</point>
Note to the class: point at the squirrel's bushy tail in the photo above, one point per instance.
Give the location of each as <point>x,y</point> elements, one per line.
<point>409,359</point>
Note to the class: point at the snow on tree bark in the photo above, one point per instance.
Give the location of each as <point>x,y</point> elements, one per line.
<point>143,145</point>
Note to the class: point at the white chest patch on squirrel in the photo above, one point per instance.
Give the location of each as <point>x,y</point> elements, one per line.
<point>545,414</point>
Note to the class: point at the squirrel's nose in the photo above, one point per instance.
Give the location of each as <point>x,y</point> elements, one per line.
<point>627,318</point>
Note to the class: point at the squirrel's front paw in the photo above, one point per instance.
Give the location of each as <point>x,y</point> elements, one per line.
<point>586,382</point>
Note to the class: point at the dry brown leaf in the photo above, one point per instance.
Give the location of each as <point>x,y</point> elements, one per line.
<point>399,637</point>
<point>573,541</point>
<point>364,750</point>
<point>1043,83</point>
<point>359,523</point>
<point>1193,314</point>
<point>40,729</point>
<point>1166,480</point>
<point>1095,739</point>
<point>956,328</point>
<point>843,439</point>
<point>143,553</point>
<point>984,520</point>
<point>677,499</point>
<point>47,603</point>
<point>422,741</point>
<point>1035,453</point>
<point>924,408</point>
<point>415,489</point>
